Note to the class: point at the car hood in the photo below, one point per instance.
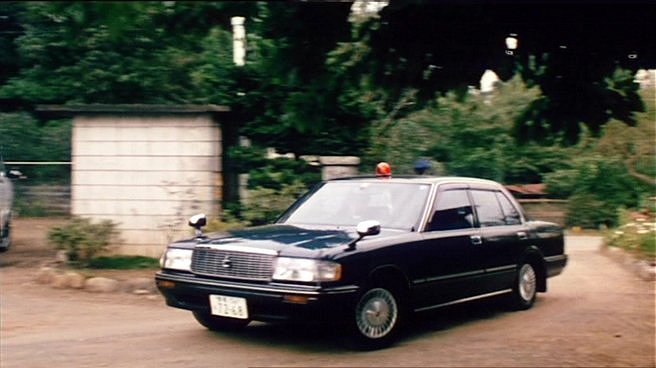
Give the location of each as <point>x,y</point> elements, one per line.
<point>288,239</point>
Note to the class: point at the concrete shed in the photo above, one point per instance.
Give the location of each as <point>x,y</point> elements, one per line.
<point>148,168</point>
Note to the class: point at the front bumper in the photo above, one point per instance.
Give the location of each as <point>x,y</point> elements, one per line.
<point>265,302</point>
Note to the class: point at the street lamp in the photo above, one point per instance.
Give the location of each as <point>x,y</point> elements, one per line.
<point>511,44</point>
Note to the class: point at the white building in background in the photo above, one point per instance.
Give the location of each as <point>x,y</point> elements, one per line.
<point>147,168</point>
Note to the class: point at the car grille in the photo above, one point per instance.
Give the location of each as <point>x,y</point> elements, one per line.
<point>232,264</point>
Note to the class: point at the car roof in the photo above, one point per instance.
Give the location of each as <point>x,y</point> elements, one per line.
<point>425,179</point>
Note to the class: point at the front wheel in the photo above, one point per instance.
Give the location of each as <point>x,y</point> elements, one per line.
<point>525,289</point>
<point>376,319</point>
<point>215,323</point>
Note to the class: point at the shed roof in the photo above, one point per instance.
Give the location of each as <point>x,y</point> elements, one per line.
<point>69,110</point>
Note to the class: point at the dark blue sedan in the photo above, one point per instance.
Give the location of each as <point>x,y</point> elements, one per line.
<point>366,252</point>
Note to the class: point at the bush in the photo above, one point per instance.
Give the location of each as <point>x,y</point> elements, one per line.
<point>597,187</point>
<point>83,240</point>
<point>265,205</point>
<point>587,211</point>
<point>280,172</point>
<point>561,183</point>
<point>637,236</point>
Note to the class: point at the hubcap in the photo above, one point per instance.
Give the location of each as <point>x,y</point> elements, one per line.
<point>527,282</point>
<point>376,313</point>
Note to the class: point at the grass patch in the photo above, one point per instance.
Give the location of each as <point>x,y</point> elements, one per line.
<point>124,263</point>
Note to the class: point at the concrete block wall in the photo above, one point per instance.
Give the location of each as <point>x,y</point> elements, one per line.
<point>146,173</point>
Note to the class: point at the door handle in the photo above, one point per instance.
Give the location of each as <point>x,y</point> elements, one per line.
<point>522,235</point>
<point>476,239</point>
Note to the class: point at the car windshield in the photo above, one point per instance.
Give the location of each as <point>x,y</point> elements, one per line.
<point>343,203</point>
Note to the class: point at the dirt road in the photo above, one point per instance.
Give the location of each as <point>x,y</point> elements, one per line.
<point>595,314</point>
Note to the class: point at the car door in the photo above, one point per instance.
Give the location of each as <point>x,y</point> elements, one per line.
<point>503,237</point>
<point>448,259</point>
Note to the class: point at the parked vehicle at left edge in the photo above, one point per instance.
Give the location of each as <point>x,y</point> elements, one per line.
<point>6,202</point>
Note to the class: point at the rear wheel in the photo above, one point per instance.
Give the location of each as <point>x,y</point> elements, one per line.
<point>525,289</point>
<point>376,318</point>
<point>216,323</point>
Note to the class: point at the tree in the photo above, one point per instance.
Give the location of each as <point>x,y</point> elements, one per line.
<point>634,146</point>
<point>297,100</point>
<point>10,29</point>
<point>124,52</point>
<point>571,50</point>
<point>470,135</point>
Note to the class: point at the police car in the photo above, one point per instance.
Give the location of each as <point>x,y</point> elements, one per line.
<point>366,252</point>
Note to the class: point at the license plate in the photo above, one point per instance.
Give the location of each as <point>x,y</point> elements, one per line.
<point>228,306</point>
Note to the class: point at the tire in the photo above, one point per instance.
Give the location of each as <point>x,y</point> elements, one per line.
<point>215,323</point>
<point>376,318</point>
<point>525,288</point>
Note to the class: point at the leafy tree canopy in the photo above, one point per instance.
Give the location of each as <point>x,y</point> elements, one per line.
<point>314,80</point>
<point>570,49</point>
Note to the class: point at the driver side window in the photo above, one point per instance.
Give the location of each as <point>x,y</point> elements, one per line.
<point>452,211</point>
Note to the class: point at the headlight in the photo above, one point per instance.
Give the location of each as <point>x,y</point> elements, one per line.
<point>307,270</point>
<point>178,259</point>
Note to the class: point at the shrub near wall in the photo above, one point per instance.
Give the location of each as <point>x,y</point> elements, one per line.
<point>596,188</point>
<point>83,240</point>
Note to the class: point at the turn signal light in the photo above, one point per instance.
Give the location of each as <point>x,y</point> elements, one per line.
<point>166,284</point>
<point>296,299</point>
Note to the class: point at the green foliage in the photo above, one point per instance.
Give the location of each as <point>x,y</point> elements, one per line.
<point>449,45</point>
<point>125,52</point>
<point>471,135</point>
<point>124,263</point>
<point>588,211</point>
<point>226,223</point>
<point>596,186</point>
<point>29,208</point>
<point>282,171</point>
<point>265,205</point>
<point>297,106</point>
<point>634,145</point>
<point>273,184</point>
<point>575,98</point>
<point>83,240</point>
<point>317,81</point>
<point>24,139</point>
<point>618,170</point>
<point>561,183</point>
<point>636,236</point>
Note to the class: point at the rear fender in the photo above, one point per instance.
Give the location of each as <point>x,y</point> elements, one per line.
<point>534,256</point>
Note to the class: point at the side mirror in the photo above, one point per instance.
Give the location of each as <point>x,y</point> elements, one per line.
<point>365,228</point>
<point>15,174</point>
<point>197,222</point>
<point>369,227</point>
